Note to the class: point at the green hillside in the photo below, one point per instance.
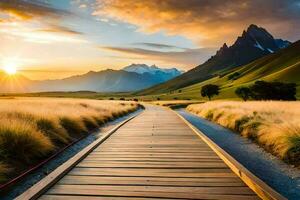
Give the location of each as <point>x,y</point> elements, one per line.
<point>283,66</point>
<point>243,51</point>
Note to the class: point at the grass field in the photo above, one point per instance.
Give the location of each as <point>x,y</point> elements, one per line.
<point>273,125</point>
<point>33,128</point>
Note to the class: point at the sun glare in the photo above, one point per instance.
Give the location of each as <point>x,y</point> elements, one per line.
<point>10,68</point>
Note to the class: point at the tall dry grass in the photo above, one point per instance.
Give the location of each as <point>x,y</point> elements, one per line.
<point>33,128</point>
<point>274,125</point>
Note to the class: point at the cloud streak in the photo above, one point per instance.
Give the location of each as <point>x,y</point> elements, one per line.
<point>208,22</point>
<point>157,45</point>
<point>187,57</point>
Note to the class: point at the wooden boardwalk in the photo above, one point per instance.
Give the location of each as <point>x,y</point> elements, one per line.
<point>153,156</point>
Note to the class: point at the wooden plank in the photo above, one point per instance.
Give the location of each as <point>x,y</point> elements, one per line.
<point>156,156</point>
<point>192,182</point>
<point>153,172</point>
<point>101,189</point>
<point>169,165</point>
<point>152,159</point>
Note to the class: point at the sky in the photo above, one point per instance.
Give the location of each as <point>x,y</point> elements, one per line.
<point>49,39</point>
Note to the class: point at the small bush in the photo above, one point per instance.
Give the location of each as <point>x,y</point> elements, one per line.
<point>239,123</point>
<point>244,93</point>
<point>90,123</point>
<point>293,152</point>
<point>4,170</point>
<point>234,76</point>
<point>52,129</point>
<point>73,127</point>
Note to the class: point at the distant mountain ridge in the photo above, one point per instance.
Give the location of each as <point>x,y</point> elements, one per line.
<point>102,81</point>
<point>143,68</point>
<point>159,73</point>
<point>254,43</point>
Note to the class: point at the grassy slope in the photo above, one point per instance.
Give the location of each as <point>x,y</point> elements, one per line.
<point>281,66</point>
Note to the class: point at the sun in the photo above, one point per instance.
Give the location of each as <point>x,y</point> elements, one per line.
<point>10,68</point>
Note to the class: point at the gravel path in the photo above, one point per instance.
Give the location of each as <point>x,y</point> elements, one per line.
<point>33,178</point>
<point>282,177</point>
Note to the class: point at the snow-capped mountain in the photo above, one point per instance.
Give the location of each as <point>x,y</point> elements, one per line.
<point>153,69</point>
<point>254,43</point>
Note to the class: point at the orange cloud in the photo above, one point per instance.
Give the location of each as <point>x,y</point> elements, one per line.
<point>208,22</point>
<point>42,17</point>
<point>26,10</point>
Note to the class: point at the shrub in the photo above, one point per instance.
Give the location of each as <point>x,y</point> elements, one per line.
<point>52,129</point>
<point>234,76</point>
<point>74,127</point>
<point>90,123</point>
<point>209,91</point>
<point>262,90</point>
<point>244,93</point>
<point>4,170</point>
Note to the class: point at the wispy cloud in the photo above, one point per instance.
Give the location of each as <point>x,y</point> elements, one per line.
<point>157,45</point>
<point>208,22</point>
<point>186,57</point>
<point>59,29</point>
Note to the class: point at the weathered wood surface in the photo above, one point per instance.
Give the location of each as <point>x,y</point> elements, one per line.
<point>154,156</point>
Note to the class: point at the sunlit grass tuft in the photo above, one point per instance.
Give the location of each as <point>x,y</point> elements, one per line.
<point>19,140</point>
<point>273,125</point>
<point>33,128</point>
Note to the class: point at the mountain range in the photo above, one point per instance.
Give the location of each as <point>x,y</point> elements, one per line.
<point>131,78</point>
<point>254,43</point>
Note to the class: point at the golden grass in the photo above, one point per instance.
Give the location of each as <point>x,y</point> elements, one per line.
<point>34,128</point>
<point>274,125</point>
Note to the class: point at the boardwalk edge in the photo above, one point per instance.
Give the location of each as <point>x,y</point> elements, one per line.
<point>253,182</point>
<point>44,184</point>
